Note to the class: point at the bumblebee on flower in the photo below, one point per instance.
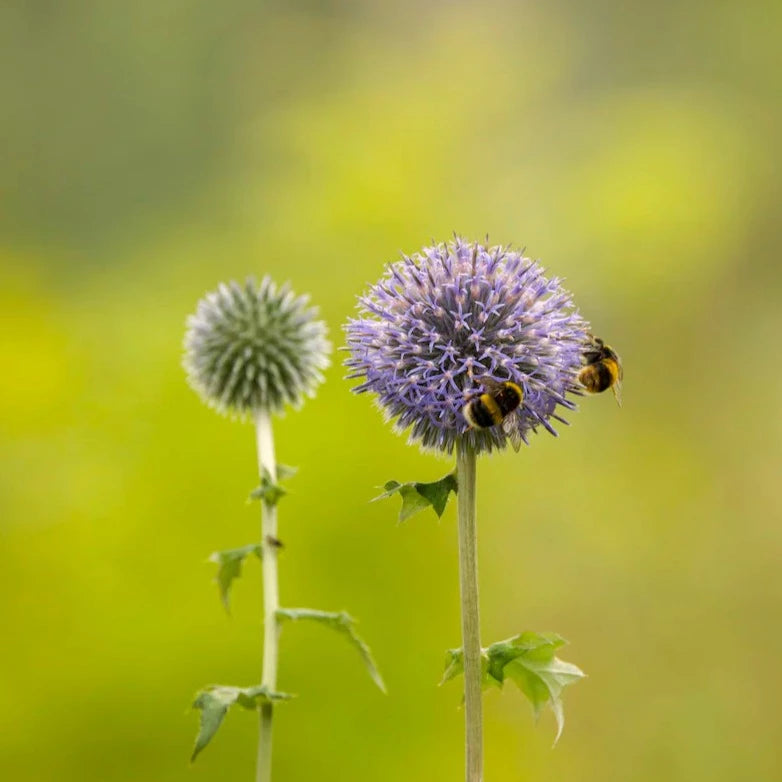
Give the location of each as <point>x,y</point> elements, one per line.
<point>452,323</point>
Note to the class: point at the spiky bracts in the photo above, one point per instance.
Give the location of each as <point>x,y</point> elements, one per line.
<point>441,319</point>
<point>254,347</point>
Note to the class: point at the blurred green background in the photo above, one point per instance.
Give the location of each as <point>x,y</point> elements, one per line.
<point>152,149</point>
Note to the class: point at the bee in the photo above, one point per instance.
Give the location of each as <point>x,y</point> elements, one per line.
<point>498,405</point>
<point>602,370</point>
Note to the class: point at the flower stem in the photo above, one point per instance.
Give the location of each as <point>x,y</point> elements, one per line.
<point>271,595</point>
<point>471,630</point>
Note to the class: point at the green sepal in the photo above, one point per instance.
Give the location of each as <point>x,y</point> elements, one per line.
<point>528,660</point>
<point>269,491</point>
<point>416,495</point>
<point>215,700</point>
<point>229,567</point>
<point>342,623</point>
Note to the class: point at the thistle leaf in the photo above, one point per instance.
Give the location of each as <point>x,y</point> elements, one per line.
<point>527,660</point>
<point>342,623</point>
<point>269,491</point>
<point>229,567</point>
<point>454,665</point>
<point>285,471</point>
<point>215,700</point>
<point>416,495</point>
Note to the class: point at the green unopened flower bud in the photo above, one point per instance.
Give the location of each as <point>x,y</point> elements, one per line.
<point>254,347</point>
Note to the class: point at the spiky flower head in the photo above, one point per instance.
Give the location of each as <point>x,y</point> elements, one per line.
<point>254,347</point>
<point>440,320</point>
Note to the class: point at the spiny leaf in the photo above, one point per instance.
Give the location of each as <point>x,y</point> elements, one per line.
<point>285,471</point>
<point>229,567</point>
<point>270,491</point>
<point>454,666</point>
<point>533,646</point>
<point>416,495</point>
<point>341,622</point>
<point>412,500</point>
<point>215,700</point>
<point>528,660</point>
<point>543,683</point>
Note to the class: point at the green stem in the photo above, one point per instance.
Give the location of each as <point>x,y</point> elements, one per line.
<point>271,595</point>
<point>471,630</point>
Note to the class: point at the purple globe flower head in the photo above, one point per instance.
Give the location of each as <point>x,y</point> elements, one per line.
<point>440,321</point>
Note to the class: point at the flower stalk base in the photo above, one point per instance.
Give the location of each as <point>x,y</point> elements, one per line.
<point>471,634</point>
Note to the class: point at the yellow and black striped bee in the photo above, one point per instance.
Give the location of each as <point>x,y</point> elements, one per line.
<point>498,404</point>
<point>602,370</point>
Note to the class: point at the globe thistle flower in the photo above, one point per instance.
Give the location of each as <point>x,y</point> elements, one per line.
<point>254,348</point>
<point>441,319</point>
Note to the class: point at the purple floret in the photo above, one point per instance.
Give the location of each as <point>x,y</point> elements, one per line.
<point>443,318</point>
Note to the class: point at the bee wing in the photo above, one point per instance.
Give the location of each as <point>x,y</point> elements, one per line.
<point>617,389</point>
<point>510,425</point>
<point>489,383</point>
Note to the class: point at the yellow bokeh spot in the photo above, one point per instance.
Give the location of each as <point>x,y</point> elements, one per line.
<point>39,366</point>
<point>665,186</point>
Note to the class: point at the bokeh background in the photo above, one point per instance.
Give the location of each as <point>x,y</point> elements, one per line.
<point>151,149</point>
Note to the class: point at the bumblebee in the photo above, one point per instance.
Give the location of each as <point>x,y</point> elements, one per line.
<point>602,370</point>
<point>498,405</point>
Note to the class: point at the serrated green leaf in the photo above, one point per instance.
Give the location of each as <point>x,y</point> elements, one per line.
<point>534,646</point>
<point>341,622</point>
<point>229,567</point>
<point>215,700</point>
<point>437,492</point>
<point>269,491</point>
<point>543,683</point>
<point>417,495</point>
<point>285,471</point>
<point>454,665</point>
<point>528,660</point>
